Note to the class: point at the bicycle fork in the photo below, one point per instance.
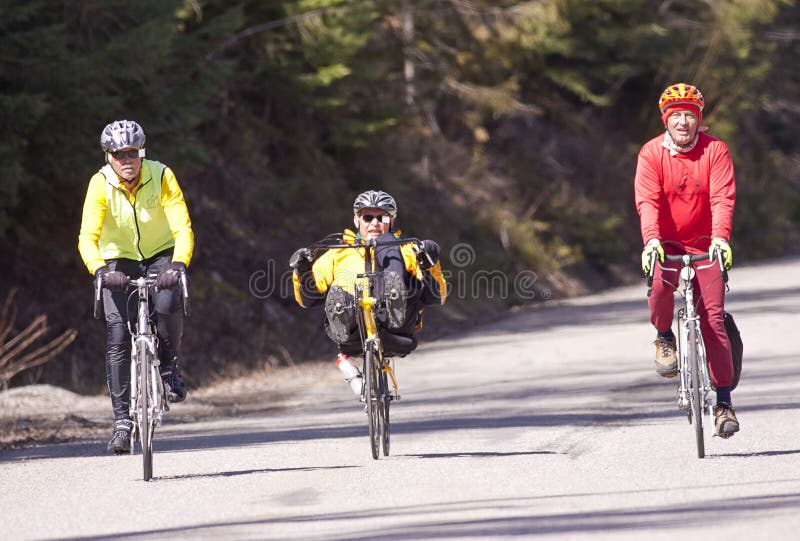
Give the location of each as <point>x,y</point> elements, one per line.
<point>387,368</point>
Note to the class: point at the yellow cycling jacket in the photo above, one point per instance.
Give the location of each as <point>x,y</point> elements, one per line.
<point>340,267</point>
<point>120,224</point>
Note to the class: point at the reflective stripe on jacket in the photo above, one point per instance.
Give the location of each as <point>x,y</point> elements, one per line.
<point>119,224</point>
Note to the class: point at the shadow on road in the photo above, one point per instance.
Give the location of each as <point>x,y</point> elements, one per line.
<point>762,295</point>
<point>190,440</point>
<point>244,472</point>
<point>522,518</point>
<point>601,312</point>
<point>548,317</point>
<point>478,454</point>
<point>748,455</point>
<point>636,403</point>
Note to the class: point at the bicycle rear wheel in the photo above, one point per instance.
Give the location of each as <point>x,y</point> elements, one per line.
<point>696,392</point>
<point>145,432</point>
<point>372,399</point>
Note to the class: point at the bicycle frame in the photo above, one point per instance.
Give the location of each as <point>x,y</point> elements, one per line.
<point>148,400</point>
<point>146,384</point>
<point>695,385</point>
<point>367,323</point>
<point>691,347</point>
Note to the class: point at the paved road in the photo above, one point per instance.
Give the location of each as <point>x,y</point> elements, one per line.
<point>551,424</point>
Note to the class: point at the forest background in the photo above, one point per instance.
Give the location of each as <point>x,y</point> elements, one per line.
<point>507,131</point>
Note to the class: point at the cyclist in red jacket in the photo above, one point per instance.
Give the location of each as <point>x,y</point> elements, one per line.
<point>685,192</point>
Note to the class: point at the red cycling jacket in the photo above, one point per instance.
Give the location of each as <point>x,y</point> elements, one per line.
<point>686,196</point>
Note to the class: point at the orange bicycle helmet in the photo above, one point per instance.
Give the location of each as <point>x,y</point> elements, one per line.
<point>681,94</point>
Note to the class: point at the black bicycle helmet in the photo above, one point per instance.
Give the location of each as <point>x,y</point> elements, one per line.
<point>122,134</point>
<point>375,199</point>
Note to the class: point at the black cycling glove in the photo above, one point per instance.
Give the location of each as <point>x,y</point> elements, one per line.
<point>301,260</point>
<point>429,255</point>
<point>169,277</point>
<point>112,280</point>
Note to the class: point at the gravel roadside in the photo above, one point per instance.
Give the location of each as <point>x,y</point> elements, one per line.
<point>44,414</point>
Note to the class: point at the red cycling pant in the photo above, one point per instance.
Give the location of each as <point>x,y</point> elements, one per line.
<point>709,297</point>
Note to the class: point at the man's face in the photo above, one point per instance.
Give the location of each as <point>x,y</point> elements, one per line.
<point>126,163</point>
<point>682,126</point>
<point>371,224</point>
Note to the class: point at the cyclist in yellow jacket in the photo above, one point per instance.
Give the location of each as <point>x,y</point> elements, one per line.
<point>410,280</point>
<point>135,223</point>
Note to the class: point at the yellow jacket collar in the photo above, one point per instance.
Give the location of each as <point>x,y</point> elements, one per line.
<point>350,237</point>
<point>114,180</point>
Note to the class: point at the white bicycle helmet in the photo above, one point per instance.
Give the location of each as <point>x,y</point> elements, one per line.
<point>122,134</point>
<point>375,199</point>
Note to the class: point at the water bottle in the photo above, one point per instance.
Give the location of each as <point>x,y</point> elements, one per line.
<point>351,373</point>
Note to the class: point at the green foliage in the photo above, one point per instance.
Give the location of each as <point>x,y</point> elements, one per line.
<point>510,125</point>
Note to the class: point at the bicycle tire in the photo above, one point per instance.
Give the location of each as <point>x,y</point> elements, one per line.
<point>371,397</point>
<point>145,434</point>
<point>384,410</point>
<point>696,392</point>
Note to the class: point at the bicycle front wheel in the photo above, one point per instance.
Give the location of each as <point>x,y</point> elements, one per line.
<point>372,399</point>
<point>145,432</point>
<point>384,411</point>
<point>696,395</point>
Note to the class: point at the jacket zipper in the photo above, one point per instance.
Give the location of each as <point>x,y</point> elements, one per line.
<point>135,219</point>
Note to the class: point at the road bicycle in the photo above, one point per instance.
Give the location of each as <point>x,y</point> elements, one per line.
<point>378,367</point>
<point>148,401</point>
<point>694,385</point>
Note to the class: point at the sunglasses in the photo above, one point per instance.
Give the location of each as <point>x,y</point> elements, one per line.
<point>122,154</point>
<point>367,218</point>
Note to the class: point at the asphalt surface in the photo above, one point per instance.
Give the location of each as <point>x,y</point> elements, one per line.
<point>549,424</point>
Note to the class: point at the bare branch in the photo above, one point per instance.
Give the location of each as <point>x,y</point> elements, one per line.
<point>8,316</point>
<point>24,339</point>
<point>46,352</point>
<point>13,356</point>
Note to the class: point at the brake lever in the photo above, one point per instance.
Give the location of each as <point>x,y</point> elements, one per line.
<point>425,255</point>
<point>722,269</point>
<point>184,281</point>
<point>98,295</point>
<point>653,257</point>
